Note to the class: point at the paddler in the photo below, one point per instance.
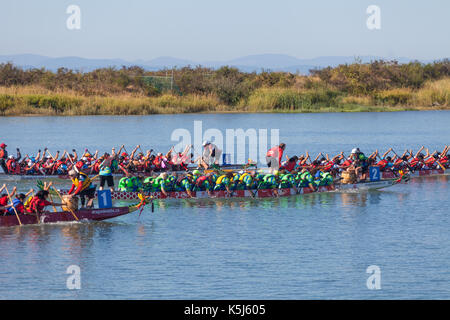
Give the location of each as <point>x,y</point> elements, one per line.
<point>4,198</point>
<point>39,202</point>
<point>17,205</point>
<point>274,156</point>
<point>105,172</point>
<point>185,183</point>
<point>247,181</point>
<point>165,183</point>
<point>3,157</point>
<point>204,183</point>
<point>305,180</point>
<point>211,154</point>
<point>224,182</point>
<point>386,161</point>
<point>82,186</point>
<point>360,163</point>
<point>291,164</point>
<point>269,181</point>
<point>287,180</point>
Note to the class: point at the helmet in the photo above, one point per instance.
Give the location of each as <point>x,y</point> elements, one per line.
<point>72,172</point>
<point>196,172</point>
<point>354,150</point>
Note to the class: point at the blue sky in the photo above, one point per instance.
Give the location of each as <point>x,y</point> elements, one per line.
<point>222,30</point>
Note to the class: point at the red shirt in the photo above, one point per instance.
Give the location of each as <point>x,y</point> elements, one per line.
<point>290,165</point>
<point>275,152</point>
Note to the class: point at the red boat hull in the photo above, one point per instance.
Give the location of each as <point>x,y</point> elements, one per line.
<point>52,217</point>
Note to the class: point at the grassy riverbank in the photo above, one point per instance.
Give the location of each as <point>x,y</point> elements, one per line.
<point>379,86</point>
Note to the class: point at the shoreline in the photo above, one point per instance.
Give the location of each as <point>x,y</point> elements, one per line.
<point>352,109</point>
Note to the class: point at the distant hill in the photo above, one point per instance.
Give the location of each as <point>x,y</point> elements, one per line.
<point>251,63</point>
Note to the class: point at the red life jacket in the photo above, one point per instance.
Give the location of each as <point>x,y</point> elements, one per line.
<point>157,161</point>
<point>382,163</point>
<point>12,166</point>
<point>200,180</point>
<point>32,205</point>
<point>79,164</point>
<point>415,162</point>
<point>57,164</point>
<point>2,153</point>
<point>36,204</point>
<point>328,166</point>
<point>430,161</point>
<point>347,163</point>
<point>4,201</point>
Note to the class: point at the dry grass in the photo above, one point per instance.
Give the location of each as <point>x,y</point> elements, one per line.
<point>39,101</point>
<point>433,94</point>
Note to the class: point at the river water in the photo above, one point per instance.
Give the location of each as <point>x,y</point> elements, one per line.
<point>315,246</point>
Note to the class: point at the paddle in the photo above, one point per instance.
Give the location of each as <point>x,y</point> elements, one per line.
<point>51,199</point>
<point>440,164</point>
<point>74,167</point>
<point>9,196</point>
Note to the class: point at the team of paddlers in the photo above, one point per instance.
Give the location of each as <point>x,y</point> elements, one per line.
<point>44,163</point>
<point>297,171</point>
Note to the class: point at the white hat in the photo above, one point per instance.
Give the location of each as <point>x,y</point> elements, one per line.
<point>354,150</point>
<point>205,143</point>
<point>72,172</point>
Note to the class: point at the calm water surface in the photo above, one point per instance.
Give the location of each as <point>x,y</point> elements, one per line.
<point>306,247</point>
